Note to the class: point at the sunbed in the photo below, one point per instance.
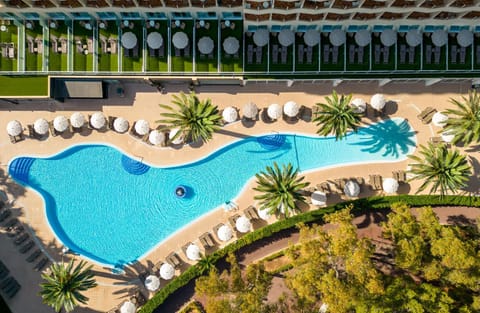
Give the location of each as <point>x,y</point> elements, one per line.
<point>6,282</point>
<point>14,230</point>
<point>41,264</point>
<point>23,237</point>
<point>324,187</point>
<point>12,292</point>
<point>206,240</point>
<point>250,212</point>
<point>53,132</point>
<point>27,247</point>
<point>376,182</point>
<point>11,223</point>
<point>400,176</point>
<point>32,257</point>
<point>4,215</point>
<point>173,259</point>
<point>233,219</point>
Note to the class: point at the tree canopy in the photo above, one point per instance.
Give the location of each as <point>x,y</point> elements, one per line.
<point>464,119</point>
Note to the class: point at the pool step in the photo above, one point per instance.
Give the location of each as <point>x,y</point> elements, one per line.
<point>134,167</point>
<point>19,169</point>
<point>272,142</point>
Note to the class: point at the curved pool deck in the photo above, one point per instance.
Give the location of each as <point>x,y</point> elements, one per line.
<point>409,99</point>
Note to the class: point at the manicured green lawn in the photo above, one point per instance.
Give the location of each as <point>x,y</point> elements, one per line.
<point>183,63</point>
<point>81,36</point>
<point>23,86</point>
<point>254,66</point>
<point>416,60</point>
<point>330,65</point>
<point>441,65</point>
<point>108,62</point>
<point>467,64</point>
<point>34,61</point>
<point>232,63</point>
<point>9,36</point>
<point>203,62</point>
<point>304,66</point>
<point>134,63</point>
<point>279,66</point>
<point>58,61</point>
<point>381,65</point>
<point>157,63</point>
<point>356,65</point>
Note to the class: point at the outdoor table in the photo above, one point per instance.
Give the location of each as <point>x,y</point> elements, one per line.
<point>227,23</point>
<point>177,23</point>
<point>53,25</point>
<point>101,25</point>
<point>126,23</point>
<point>202,23</point>
<point>152,23</point>
<point>3,28</point>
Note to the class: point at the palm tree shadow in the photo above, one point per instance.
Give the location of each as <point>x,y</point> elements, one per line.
<point>10,186</point>
<point>388,136</point>
<point>474,179</point>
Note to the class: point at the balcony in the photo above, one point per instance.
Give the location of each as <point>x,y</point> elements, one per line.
<point>71,4</point>
<point>311,17</point>
<point>203,3</point>
<point>391,16</point>
<point>371,4</point>
<point>123,3</point>
<point>177,3</point>
<point>97,3</point>
<point>364,16</point>
<point>337,17</point>
<point>150,3</point>
<point>418,15</point>
<point>284,17</point>
<point>43,4</point>
<point>432,4</point>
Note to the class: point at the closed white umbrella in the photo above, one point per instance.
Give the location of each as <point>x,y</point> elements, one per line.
<point>439,119</point>
<point>363,37</point>
<point>274,111</point>
<point>156,137</point>
<point>173,133</point>
<point>60,123</point>
<point>14,128</point>
<point>180,40</point>
<point>351,189</point>
<point>142,127</point>
<point>243,224</point>
<point>359,105</point>
<point>129,40</point>
<point>193,252</point>
<point>128,307</point>
<point>264,214</point>
<point>319,198</point>
<point>388,37</point>
<point>154,40</point>
<point>390,185</point>
<point>120,125</point>
<point>77,120</point>
<point>286,37</point>
<point>311,37</point>
<point>98,120</point>
<point>167,271</point>
<point>230,114</point>
<point>337,37</point>
<point>465,38</point>
<point>447,136</point>
<point>41,126</point>
<point>231,45</point>
<point>205,45</point>
<point>152,282</point>
<point>291,109</point>
<point>261,36</point>
<point>439,37</point>
<point>378,101</point>
<point>414,38</point>
<point>250,110</point>
<point>224,233</point>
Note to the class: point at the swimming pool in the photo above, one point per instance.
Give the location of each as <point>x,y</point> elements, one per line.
<point>113,209</point>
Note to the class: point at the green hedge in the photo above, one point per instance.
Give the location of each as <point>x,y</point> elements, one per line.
<point>307,217</point>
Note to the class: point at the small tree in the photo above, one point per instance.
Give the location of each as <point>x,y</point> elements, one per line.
<point>464,120</point>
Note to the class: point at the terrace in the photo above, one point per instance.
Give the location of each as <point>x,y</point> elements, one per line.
<point>302,45</point>
<point>157,59</point>
<point>206,47</point>
<point>231,62</point>
<point>108,46</point>
<point>281,45</point>
<point>83,46</point>
<point>132,45</point>
<point>181,52</point>
<point>58,46</point>
<point>34,46</point>
<point>9,46</point>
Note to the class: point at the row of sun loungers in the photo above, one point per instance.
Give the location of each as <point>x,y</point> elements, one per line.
<point>326,54</point>
<point>426,115</point>
<point>458,53</point>
<point>157,52</point>
<point>35,46</point>
<point>403,54</point>
<point>131,53</point>
<point>378,51</point>
<point>59,46</point>
<point>8,285</point>
<point>258,51</point>
<point>8,51</point>
<point>302,52</point>
<point>436,51</point>
<point>108,46</point>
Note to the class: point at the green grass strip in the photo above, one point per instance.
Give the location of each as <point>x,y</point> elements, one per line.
<point>13,86</point>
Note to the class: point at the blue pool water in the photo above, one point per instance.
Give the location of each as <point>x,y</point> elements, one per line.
<point>113,209</point>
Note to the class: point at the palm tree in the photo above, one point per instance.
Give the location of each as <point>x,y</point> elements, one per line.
<point>464,120</point>
<point>63,286</point>
<point>280,189</point>
<point>446,170</point>
<point>196,119</point>
<point>336,116</point>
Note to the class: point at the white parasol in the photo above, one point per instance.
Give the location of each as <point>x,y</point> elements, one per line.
<point>319,198</point>
<point>167,271</point>
<point>128,307</point>
<point>439,37</point>
<point>152,283</point>
<point>180,40</point>
<point>77,120</point>
<point>414,38</point>
<point>120,125</point>
<point>205,45</point>
<point>243,224</point>
<point>390,185</point>
<point>60,123</point>
<point>448,136</point>
<point>231,45</point>
<point>98,120</point>
<point>378,101</point>
<point>142,127</point>
<point>193,252</point>
<point>179,139</point>
<point>14,128</point>
<point>274,111</point>
<point>351,189</point>
<point>260,38</point>
<point>439,119</point>
<point>230,115</point>
<point>264,214</point>
<point>156,137</point>
<point>154,40</point>
<point>465,38</point>
<point>291,109</point>
<point>250,110</point>
<point>359,105</point>
<point>363,37</point>
<point>337,37</point>
<point>224,233</point>
<point>286,37</point>
<point>129,40</point>
<point>388,37</point>
<point>311,37</point>
<point>41,126</point>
